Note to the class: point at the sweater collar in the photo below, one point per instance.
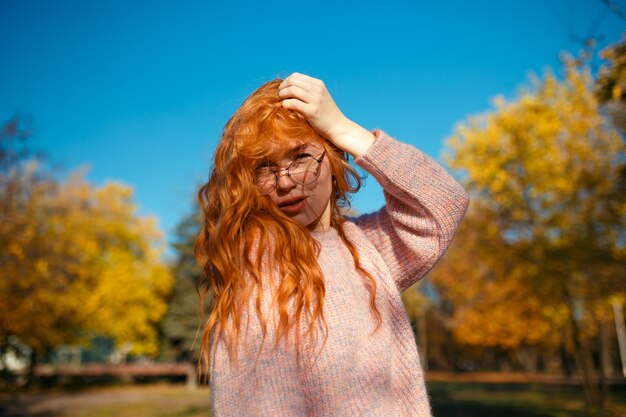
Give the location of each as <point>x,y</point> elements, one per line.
<point>328,237</point>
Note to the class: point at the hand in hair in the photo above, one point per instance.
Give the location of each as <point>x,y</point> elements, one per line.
<point>309,96</point>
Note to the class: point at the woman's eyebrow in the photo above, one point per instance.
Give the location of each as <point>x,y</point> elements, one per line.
<point>299,148</point>
<point>302,148</point>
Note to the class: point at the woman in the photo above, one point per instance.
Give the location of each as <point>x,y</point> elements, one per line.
<point>306,315</point>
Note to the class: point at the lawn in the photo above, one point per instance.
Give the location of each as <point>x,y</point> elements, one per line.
<point>461,399</point>
<point>154,400</point>
<point>449,399</point>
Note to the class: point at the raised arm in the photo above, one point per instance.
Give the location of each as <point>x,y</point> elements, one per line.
<point>425,204</point>
<point>424,207</point>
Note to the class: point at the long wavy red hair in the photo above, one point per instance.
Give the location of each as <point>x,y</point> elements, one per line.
<point>238,221</point>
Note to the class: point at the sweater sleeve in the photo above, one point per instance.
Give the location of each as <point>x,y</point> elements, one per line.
<point>424,208</point>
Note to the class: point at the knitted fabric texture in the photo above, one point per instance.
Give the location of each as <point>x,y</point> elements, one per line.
<point>358,373</point>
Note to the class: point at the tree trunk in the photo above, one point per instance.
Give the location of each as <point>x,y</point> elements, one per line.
<point>3,353</point>
<point>579,346</point>
<point>30,375</point>
<point>527,357</point>
<point>606,359</point>
<point>566,359</point>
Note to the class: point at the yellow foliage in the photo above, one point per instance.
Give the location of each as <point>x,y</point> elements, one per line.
<point>543,241</point>
<point>79,262</point>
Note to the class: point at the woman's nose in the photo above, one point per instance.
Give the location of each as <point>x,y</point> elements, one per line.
<point>283,180</point>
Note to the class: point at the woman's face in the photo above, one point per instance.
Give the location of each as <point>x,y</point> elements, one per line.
<point>309,203</point>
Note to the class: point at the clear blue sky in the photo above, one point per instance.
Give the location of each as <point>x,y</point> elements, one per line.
<point>140,91</point>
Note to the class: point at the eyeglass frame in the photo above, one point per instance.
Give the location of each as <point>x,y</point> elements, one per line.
<point>276,175</point>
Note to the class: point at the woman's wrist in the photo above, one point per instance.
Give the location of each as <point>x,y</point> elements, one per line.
<point>353,138</point>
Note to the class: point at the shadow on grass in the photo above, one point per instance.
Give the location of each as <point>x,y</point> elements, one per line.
<point>443,406</point>
<point>16,406</point>
<point>451,399</point>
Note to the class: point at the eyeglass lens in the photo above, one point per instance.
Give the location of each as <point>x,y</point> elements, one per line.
<point>303,170</point>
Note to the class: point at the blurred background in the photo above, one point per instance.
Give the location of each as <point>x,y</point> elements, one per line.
<point>110,113</point>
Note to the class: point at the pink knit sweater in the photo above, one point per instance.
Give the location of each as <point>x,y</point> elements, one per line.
<point>357,373</point>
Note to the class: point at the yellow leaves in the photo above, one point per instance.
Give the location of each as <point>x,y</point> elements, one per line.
<point>498,312</point>
<point>16,250</point>
<point>127,300</point>
<point>548,140</point>
<point>543,172</point>
<point>41,267</point>
<point>81,263</point>
<point>616,92</point>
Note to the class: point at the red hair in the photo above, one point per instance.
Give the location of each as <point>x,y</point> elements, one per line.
<point>238,221</point>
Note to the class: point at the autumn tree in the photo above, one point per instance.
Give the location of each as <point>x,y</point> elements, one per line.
<point>541,253</point>
<point>416,304</point>
<point>76,262</point>
<point>611,82</point>
<point>182,320</point>
<point>484,299</point>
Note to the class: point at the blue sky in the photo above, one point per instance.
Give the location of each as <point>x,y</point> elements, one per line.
<point>140,91</point>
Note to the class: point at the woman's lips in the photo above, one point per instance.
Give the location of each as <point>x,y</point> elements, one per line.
<point>294,206</point>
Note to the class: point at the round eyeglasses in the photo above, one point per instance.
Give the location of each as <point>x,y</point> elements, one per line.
<point>304,169</point>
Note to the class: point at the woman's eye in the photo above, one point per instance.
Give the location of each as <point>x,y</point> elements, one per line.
<point>302,156</point>
<point>263,173</point>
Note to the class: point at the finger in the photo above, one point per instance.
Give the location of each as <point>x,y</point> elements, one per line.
<point>301,80</point>
<point>295,82</point>
<point>294,91</point>
<point>308,93</point>
<point>295,104</point>
<point>307,78</point>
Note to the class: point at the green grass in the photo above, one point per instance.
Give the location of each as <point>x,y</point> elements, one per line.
<point>157,400</point>
<point>469,399</point>
<point>139,410</point>
<point>449,399</point>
